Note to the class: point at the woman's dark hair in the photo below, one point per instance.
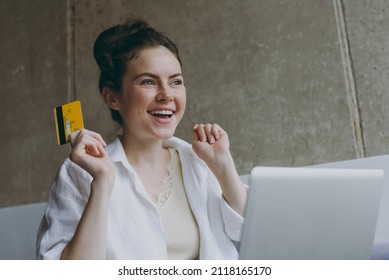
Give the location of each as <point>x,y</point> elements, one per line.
<point>116,46</point>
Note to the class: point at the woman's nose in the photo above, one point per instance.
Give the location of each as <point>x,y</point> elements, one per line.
<point>164,95</point>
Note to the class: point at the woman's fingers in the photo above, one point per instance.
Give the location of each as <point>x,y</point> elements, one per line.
<point>88,152</point>
<point>84,132</point>
<point>207,132</point>
<point>85,143</point>
<point>216,131</point>
<point>199,133</point>
<point>90,142</point>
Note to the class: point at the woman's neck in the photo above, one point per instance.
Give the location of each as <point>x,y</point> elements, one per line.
<point>148,157</point>
<point>141,152</point>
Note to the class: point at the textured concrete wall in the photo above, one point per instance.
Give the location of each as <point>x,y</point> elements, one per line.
<point>33,79</point>
<point>368,32</point>
<point>293,82</point>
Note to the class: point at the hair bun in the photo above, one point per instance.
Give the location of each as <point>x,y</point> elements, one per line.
<point>111,39</point>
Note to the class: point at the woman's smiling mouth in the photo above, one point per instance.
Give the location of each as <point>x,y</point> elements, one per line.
<point>161,113</point>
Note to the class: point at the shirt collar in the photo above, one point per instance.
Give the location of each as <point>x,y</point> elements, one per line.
<point>116,152</point>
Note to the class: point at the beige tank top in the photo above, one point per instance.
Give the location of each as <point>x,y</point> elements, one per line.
<point>181,229</point>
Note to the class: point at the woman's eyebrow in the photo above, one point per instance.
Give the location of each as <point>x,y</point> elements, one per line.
<point>151,75</point>
<point>146,74</point>
<point>175,75</point>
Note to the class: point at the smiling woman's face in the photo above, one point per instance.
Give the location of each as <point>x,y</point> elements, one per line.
<point>153,97</point>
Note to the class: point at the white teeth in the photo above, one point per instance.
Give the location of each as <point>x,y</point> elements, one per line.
<point>161,112</point>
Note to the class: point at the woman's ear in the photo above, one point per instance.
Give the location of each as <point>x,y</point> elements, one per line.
<point>111,98</point>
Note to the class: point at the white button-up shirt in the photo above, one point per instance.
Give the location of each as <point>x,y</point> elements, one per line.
<point>134,227</point>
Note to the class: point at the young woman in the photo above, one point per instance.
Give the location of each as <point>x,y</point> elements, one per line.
<point>147,195</point>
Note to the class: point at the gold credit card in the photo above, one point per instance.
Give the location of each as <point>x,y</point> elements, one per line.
<point>68,118</point>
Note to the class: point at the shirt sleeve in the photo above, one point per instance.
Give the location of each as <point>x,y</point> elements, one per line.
<point>232,220</point>
<point>67,199</point>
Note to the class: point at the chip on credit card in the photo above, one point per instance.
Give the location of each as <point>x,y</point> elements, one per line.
<point>68,118</point>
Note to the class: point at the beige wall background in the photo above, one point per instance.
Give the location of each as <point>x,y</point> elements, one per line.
<point>293,82</point>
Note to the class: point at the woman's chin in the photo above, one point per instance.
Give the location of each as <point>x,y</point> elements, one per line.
<point>167,136</point>
<point>164,135</point>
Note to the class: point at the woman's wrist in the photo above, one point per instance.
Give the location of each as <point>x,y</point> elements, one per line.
<point>102,186</point>
<point>222,165</point>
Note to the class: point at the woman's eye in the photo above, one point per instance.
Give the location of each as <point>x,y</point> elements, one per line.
<point>148,82</point>
<point>177,82</point>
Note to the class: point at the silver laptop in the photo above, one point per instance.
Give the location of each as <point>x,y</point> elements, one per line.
<point>311,213</point>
